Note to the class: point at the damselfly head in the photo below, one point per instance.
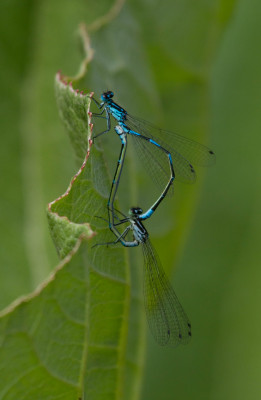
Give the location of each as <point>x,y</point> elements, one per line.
<point>134,211</point>
<point>107,95</point>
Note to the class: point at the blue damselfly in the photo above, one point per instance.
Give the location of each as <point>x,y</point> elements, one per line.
<point>156,147</point>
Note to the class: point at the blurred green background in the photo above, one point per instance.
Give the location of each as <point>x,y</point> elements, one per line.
<point>193,67</point>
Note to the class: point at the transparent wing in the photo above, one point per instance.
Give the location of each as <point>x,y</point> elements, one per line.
<point>154,160</point>
<point>167,320</point>
<point>185,152</point>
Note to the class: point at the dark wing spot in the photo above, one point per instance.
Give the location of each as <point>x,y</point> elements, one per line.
<point>180,336</point>
<point>211,152</point>
<point>191,168</point>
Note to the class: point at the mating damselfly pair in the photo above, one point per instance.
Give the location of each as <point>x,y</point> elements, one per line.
<point>167,156</point>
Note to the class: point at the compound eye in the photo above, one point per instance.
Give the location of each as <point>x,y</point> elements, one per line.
<point>136,210</point>
<point>107,95</point>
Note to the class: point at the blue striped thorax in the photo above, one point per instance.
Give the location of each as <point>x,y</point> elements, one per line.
<point>113,108</point>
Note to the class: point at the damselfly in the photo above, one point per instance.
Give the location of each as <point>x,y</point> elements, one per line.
<point>166,318</point>
<point>157,148</point>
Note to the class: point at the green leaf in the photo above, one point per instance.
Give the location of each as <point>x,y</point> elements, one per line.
<point>74,330</point>
<point>85,200</point>
<point>68,336</point>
